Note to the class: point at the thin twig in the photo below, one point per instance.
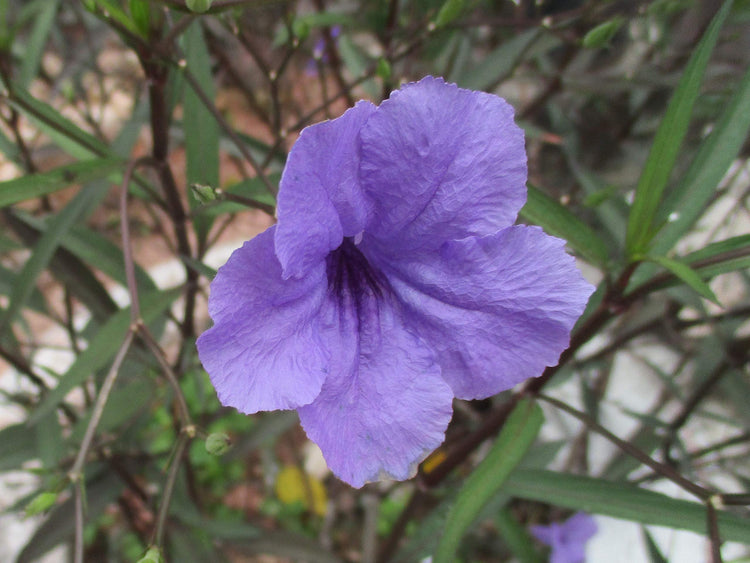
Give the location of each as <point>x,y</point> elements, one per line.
<point>170,376</point>
<point>662,469</point>
<point>75,475</point>
<point>79,523</point>
<point>182,442</point>
<point>712,525</point>
<point>101,400</point>
<point>127,246</point>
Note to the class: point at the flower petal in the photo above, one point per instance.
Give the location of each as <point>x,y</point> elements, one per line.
<point>264,351</point>
<point>579,527</point>
<point>548,535</point>
<point>384,407</point>
<point>320,198</point>
<point>442,163</point>
<point>498,309</point>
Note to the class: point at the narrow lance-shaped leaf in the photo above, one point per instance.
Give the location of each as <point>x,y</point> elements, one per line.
<point>515,439</point>
<point>499,63</point>
<point>34,48</point>
<point>668,140</point>
<point>45,183</point>
<point>95,249</point>
<point>721,257</point>
<point>559,221</point>
<point>103,347</point>
<point>63,132</point>
<point>43,252</point>
<point>621,500</point>
<point>69,270</point>
<point>516,537</point>
<point>716,153</point>
<point>687,275</point>
<point>60,526</point>
<point>201,129</point>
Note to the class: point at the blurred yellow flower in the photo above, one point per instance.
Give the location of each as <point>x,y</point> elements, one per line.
<point>292,485</point>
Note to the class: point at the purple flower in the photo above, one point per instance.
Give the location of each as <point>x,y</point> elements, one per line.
<point>567,540</point>
<point>319,52</point>
<point>393,281</point>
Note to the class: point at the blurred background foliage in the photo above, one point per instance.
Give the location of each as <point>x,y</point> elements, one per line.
<point>141,140</point>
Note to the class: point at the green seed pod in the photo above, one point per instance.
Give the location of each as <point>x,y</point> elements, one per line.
<point>198,6</point>
<point>204,193</point>
<point>218,443</point>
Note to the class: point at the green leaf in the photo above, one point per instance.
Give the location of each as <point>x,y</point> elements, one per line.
<point>9,148</point>
<point>59,525</point>
<point>718,258</point>
<point>153,555</point>
<point>558,221</point>
<point>123,405</point>
<point>654,554</point>
<point>667,142</point>
<point>515,439</point>
<point>95,249</point>
<point>204,270</point>
<point>45,183</point>
<point>289,546</point>
<point>201,129</point>
<point>516,537</point>
<point>6,36</point>
<point>449,11</point>
<point>621,500</point>
<point>423,541</point>
<point>50,445</point>
<point>740,242</point>
<point>103,347</point>
<point>43,252</point>
<point>383,69</point>
<point>69,270</point>
<point>15,447</point>
<point>696,188</point>
<point>686,274</point>
<point>107,257</point>
<point>34,48</point>
<point>41,503</point>
<point>219,529</point>
<point>140,11</point>
<point>8,282</point>
<point>63,132</point>
<point>602,34</point>
<point>498,64</point>
<point>112,10</point>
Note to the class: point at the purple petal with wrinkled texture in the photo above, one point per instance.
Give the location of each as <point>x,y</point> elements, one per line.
<point>442,163</point>
<point>567,540</point>
<point>385,406</point>
<point>497,309</point>
<point>320,198</point>
<point>264,351</point>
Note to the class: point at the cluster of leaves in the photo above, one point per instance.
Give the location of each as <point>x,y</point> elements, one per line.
<point>165,124</point>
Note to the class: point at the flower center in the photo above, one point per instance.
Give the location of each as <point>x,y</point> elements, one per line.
<point>350,275</point>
